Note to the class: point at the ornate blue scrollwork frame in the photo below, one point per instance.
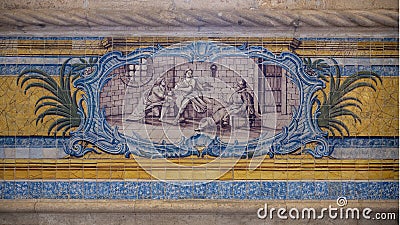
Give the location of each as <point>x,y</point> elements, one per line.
<point>302,129</point>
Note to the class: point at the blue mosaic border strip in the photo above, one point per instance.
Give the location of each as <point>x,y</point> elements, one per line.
<point>250,190</point>
<point>345,142</point>
<point>364,142</point>
<point>382,70</point>
<point>15,69</point>
<point>31,142</point>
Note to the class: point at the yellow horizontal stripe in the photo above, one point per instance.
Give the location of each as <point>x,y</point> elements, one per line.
<point>379,115</point>
<point>307,48</point>
<point>269,169</point>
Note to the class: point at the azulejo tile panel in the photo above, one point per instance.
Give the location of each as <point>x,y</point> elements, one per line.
<point>199,118</point>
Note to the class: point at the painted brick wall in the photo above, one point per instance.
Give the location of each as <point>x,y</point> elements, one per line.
<point>271,90</point>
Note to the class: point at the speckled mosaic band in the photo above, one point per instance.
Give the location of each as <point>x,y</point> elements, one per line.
<point>252,190</point>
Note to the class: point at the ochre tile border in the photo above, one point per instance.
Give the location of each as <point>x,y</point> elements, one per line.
<point>269,169</point>
<point>304,48</point>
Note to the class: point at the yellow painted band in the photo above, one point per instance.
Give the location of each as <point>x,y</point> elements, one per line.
<point>379,115</point>
<point>269,169</point>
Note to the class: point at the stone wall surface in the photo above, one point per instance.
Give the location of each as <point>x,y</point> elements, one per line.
<point>199,17</point>
<point>79,146</point>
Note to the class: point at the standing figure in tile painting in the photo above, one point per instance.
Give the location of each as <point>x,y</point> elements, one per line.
<point>241,104</point>
<point>188,90</point>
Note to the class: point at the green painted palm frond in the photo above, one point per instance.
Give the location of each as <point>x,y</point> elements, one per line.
<point>336,102</point>
<point>339,126</point>
<point>60,101</point>
<point>318,67</point>
<point>318,64</point>
<point>375,78</point>
<point>43,104</point>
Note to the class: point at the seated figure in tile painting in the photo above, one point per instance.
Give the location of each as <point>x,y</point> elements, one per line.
<point>157,101</point>
<point>186,91</point>
<point>240,105</point>
<point>153,102</point>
